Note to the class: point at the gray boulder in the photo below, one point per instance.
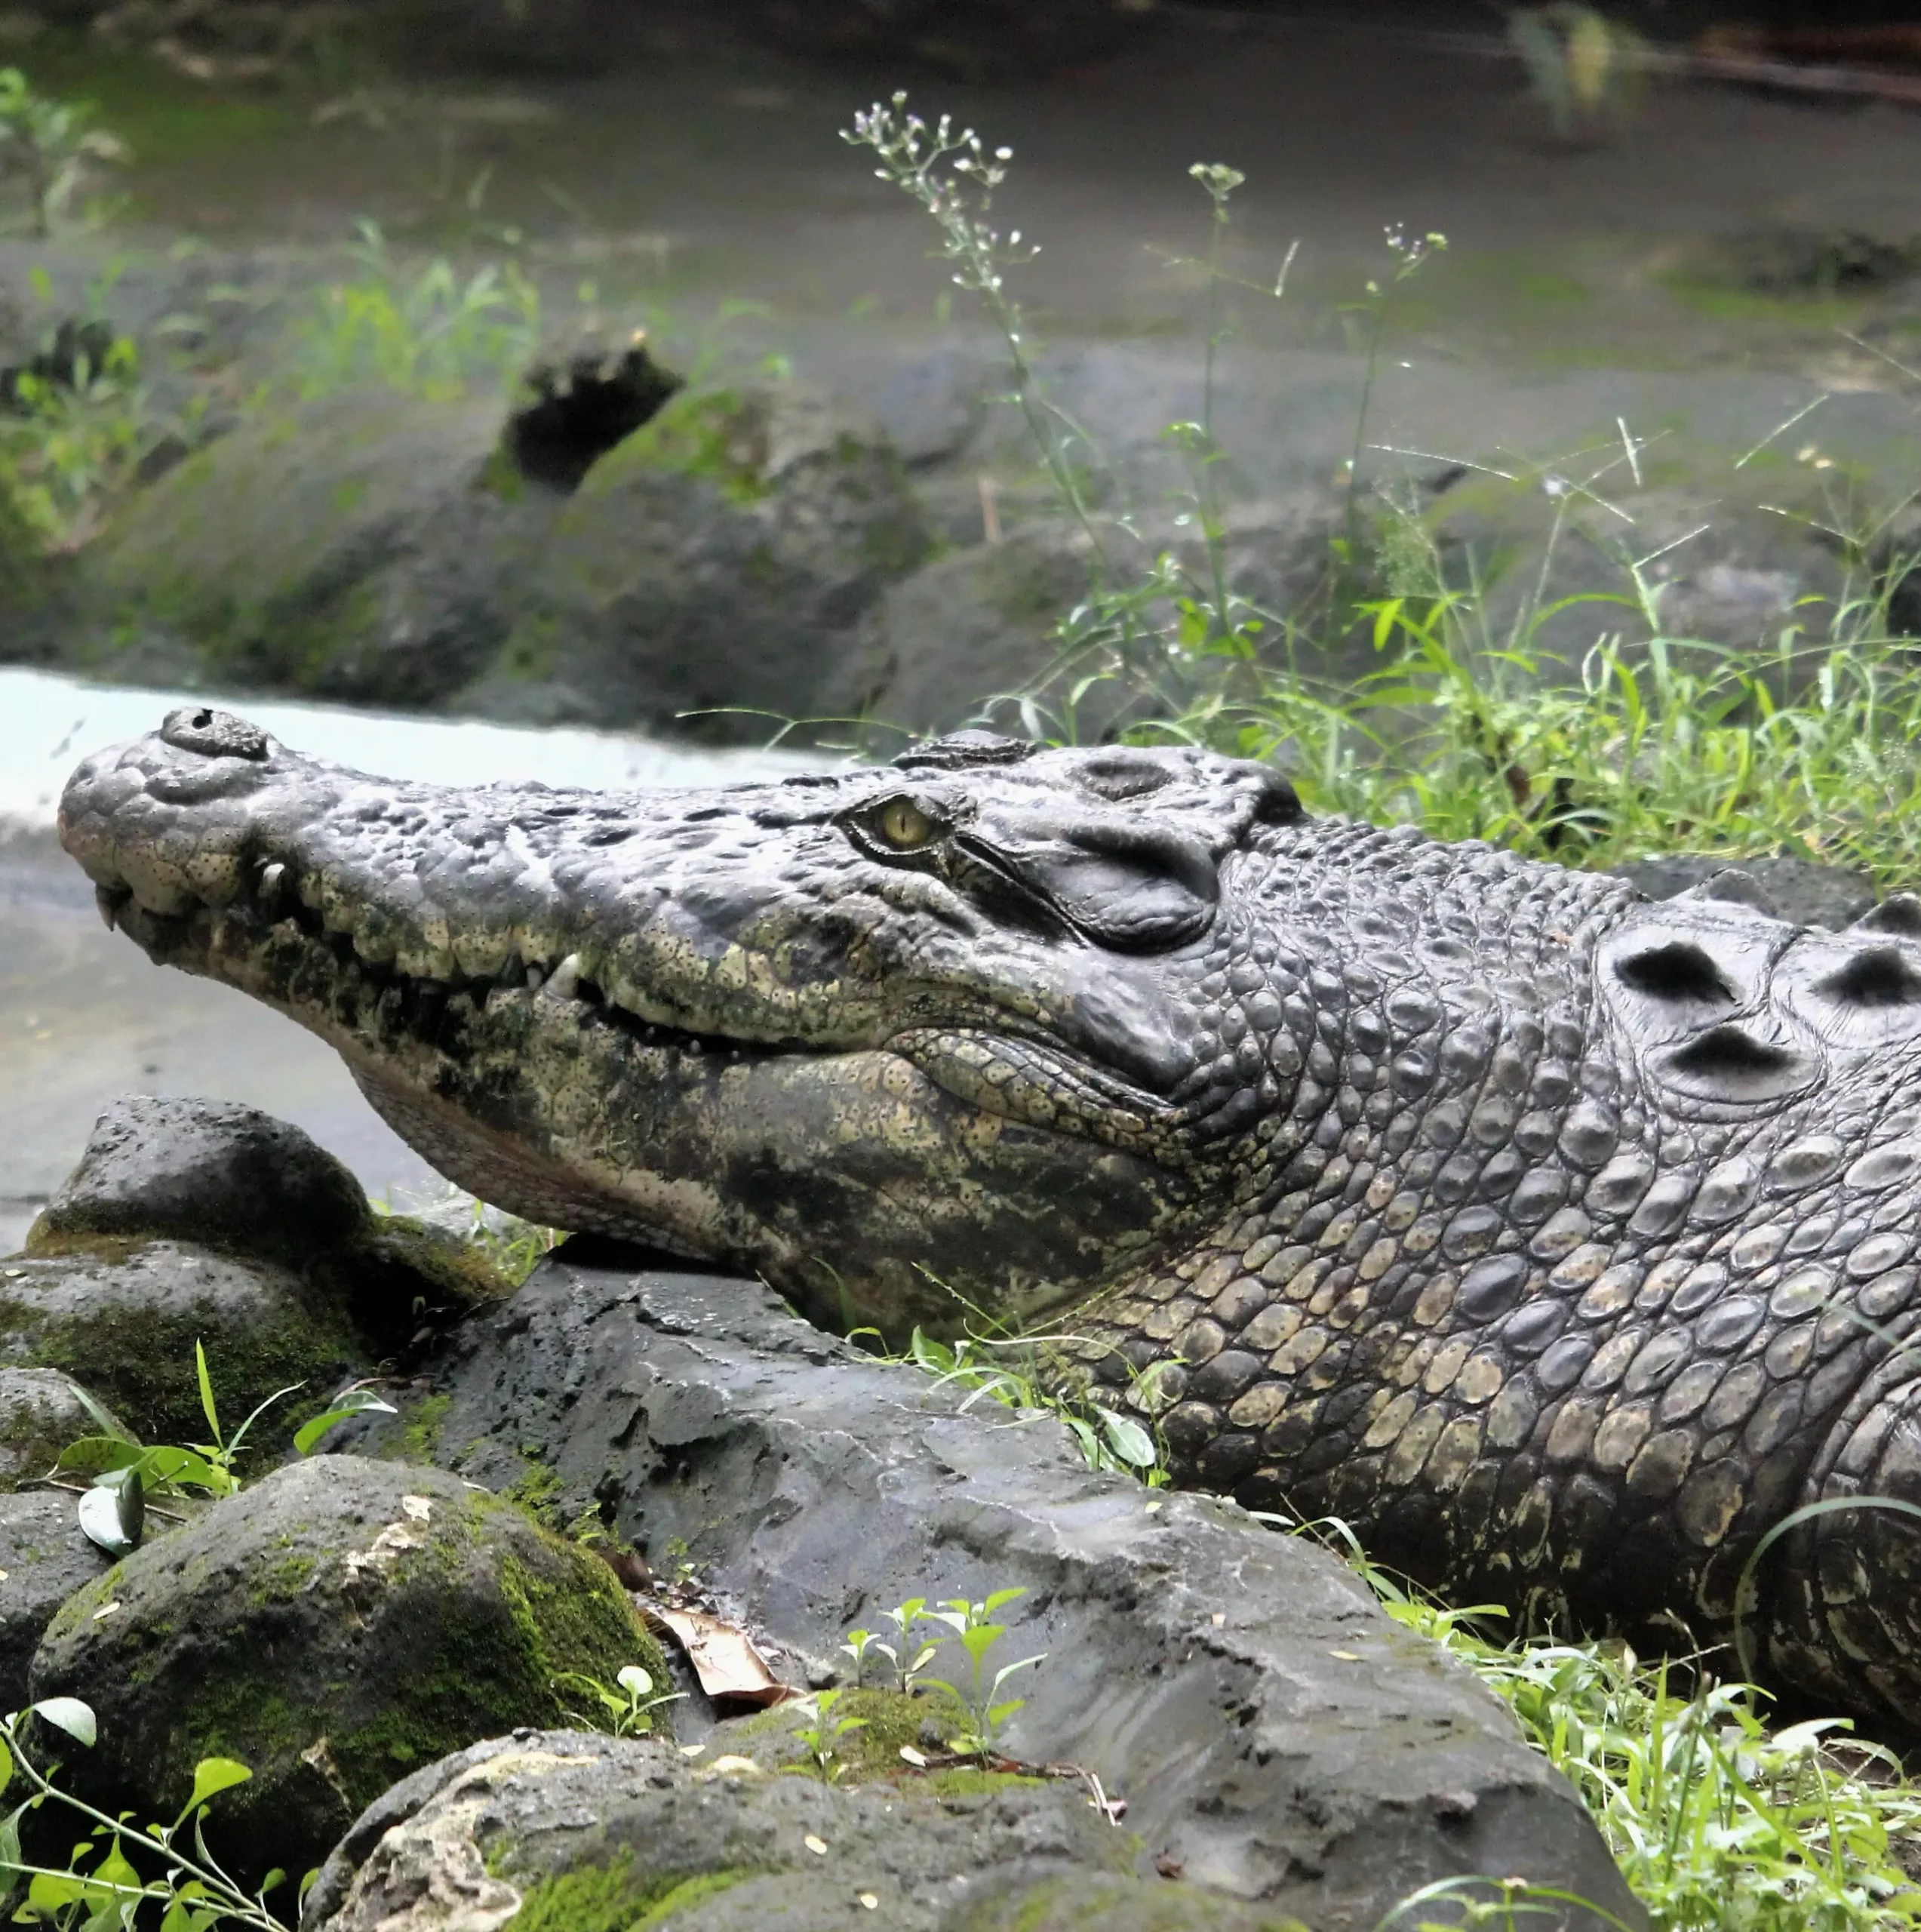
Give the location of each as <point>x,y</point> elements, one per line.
<point>334,1627</point>
<point>723,555</point>
<point>1272,1731</point>
<point>224,1175</point>
<point>567,1829</point>
<point>124,1323</point>
<point>190,1220</point>
<point>44,1559</point>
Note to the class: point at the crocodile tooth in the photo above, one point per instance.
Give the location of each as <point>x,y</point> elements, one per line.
<point>272,877</point>
<point>565,978</point>
<point>535,975</point>
<point>109,902</point>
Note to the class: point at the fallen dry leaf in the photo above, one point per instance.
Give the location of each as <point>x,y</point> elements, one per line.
<point>723,1660</point>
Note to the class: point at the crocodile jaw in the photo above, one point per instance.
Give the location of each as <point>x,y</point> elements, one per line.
<point>547,1021</point>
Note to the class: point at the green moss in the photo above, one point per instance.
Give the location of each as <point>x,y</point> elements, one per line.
<point>421,1437</point>
<point>689,1892</point>
<point>285,1581</point>
<point>615,1898</point>
<point>142,1362</point>
<point>538,1490</point>
<point>720,435</point>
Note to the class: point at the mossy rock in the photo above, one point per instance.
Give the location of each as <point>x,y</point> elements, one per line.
<point>566,1832</point>
<point>44,1557</point>
<point>122,1319</point>
<point>725,557</point>
<point>340,1624</point>
<point>357,548</point>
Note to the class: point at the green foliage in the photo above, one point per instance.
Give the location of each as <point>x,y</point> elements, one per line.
<point>985,1710</point>
<point>68,449</point>
<point>430,331</point>
<point>122,1873</point>
<point>624,1708</point>
<point>982,1710</point>
<point>50,147</point>
<point>1031,1374</point>
<point>125,1474</point>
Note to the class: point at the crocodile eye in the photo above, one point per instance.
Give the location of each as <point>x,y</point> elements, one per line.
<point>901,823</point>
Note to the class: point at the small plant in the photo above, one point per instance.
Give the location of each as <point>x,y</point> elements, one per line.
<point>105,1883</point>
<point>126,1474</point>
<point>624,1708</point>
<point>435,333</point>
<point>907,1654</point>
<point>986,1711</point>
<point>1583,67</point>
<point>823,1736</point>
<point>51,146</point>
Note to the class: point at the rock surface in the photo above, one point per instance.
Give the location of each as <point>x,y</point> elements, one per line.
<point>362,548</point>
<point>193,1220</point>
<point>208,1171</point>
<point>41,1412</point>
<point>570,1828</point>
<point>124,1323</point>
<point>44,1559</point>
<point>1271,1728</point>
<point>334,1627</point>
<point>1798,890</point>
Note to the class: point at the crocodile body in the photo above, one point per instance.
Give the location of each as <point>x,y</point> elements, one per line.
<point>1562,1243</point>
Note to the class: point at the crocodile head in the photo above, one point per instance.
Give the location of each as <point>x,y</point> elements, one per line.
<point>1565,1245</point>
<point>888,1039</point>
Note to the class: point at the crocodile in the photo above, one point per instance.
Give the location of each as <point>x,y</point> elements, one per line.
<point>1562,1243</point>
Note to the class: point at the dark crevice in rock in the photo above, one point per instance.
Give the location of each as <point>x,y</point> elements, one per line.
<point>580,407</point>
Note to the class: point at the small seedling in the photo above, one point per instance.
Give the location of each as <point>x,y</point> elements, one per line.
<point>626,1706</point>
<point>825,1733</point>
<point>907,1653</point>
<point>986,1711</point>
<point>51,147</point>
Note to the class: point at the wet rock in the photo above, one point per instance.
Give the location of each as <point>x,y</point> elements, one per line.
<point>211,1172</point>
<point>44,1559</point>
<point>722,557</point>
<point>1273,1732</point>
<point>41,1412</point>
<point>362,548</point>
<point>1799,890</point>
<point>334,1627</point>
<point>976,39</point>
<point>569,1828</point>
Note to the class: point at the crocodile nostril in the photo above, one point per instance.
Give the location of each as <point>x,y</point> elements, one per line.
<point>1880,977</point>
<point>213,733</point>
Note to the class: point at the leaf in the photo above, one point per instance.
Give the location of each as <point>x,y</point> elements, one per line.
<point>6,1767</point>
<point>1128,1439</point>
<point>724,1658</point>
<point>99,1519</point>
<point>212,1776</point>
<point>69,1715</point>
<point>92,1453</point>
<point>355,1402</point>
<point>207,1407</point>
<point>634,1680</point>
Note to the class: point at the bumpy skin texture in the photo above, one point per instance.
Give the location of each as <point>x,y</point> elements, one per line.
<point>1562,1243</point>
